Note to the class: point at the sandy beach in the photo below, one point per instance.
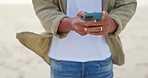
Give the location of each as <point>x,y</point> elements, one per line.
<point>16,61</point>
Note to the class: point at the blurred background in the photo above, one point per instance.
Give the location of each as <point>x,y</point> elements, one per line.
<point>16,61</point>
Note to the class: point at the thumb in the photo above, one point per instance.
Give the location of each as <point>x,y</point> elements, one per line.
<point>81,13</point>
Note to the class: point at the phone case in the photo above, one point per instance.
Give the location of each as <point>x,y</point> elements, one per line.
<point>93,16</point>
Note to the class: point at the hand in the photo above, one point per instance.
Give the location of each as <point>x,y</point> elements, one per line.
<point>93,27</point>
<point>102,27</point>
<point>77,24</point>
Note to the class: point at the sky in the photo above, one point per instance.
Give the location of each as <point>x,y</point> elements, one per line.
<point>143,2</point>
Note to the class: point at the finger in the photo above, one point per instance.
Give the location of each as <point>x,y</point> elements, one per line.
<point>82,33</point>
<point>78,22</point>
<point>93,23</point>
<point>100,33</point>
<point>93,29</point>
<point>81,13</point>
<point>105,15</point>
<point>90,22</point>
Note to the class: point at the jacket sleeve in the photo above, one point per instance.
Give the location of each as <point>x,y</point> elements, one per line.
<point>49,15</point>
<point>122,13</point>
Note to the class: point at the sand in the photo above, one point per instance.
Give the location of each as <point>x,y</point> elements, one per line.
<point>16,61</point>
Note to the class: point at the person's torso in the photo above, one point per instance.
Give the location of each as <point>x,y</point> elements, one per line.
<point>108,5</point>
<point>80,48</point>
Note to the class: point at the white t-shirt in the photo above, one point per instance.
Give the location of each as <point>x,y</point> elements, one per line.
<point>76,47</point>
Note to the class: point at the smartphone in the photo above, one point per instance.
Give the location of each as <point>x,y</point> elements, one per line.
<point>92,16</point>
<point>96,15</point>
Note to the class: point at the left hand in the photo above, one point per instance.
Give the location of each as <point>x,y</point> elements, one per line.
<point>102,27</point>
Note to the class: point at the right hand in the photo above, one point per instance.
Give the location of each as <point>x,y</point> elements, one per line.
<point>77,24</point>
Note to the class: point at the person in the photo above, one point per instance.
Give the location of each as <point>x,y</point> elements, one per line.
<point>84,49</point>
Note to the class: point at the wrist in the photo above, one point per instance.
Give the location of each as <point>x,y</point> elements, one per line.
<point>113,26</point>
<point>65,25</point>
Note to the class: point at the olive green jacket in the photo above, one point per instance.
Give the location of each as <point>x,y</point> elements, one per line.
<point>51,12</point>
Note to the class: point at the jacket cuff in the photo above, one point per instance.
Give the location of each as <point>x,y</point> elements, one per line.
<point>119,27</point>
<point>54,27</point>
